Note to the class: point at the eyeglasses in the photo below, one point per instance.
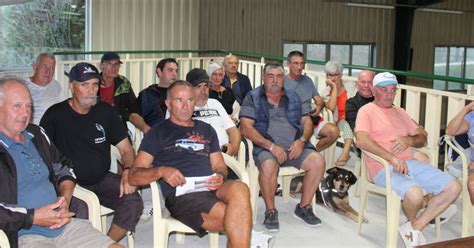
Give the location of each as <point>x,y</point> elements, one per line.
<point>384,90</point>
<point>34,163</point>
<point>332,75</point>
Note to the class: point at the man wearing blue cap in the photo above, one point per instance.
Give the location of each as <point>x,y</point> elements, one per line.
<point>388,131</point>
<point>117,91</point>
<point>84,129</point>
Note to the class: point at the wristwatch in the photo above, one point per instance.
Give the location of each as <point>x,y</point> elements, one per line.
<point>302,139</point>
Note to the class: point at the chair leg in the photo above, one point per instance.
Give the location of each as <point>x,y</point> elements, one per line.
<point>103,220</point>
<point>254,187</point>
<point>160,236</point>
<point>286,181</point>
<point>393,219</point>
<point>213,239</point>
<point>180,238</point>
<point>130,239</point>
<point>438,227</point>
<point>466,214</point>
<point>362,205</point>
<point>357,170</point>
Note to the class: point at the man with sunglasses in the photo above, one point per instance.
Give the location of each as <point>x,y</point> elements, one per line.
<point>388,131</point>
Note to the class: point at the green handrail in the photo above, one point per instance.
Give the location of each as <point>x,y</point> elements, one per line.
<point>280,58</point>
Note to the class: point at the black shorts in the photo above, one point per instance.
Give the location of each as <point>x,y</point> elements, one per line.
<point>189,207</point>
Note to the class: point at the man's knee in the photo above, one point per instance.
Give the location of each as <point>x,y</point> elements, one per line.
<point>414,195</point>
<point>454,187</point>
<point>314,161</point>
<point>268,168</point>
<point>239,190</point>
<point>330,131</point>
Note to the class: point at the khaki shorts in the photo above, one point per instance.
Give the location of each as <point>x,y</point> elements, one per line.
<point>78,233</point>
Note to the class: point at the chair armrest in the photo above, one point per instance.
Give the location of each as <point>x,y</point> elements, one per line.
<point>156,200</point>
<point>428,151</point>
<point>465,165</point>
<point>237,167</point>
<point>386,165</point>
<point>93,205</point>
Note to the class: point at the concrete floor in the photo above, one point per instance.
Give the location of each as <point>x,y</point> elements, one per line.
<point>336,230</point>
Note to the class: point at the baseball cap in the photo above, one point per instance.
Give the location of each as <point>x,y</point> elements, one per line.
<point>384,79</point>
<point>82,72</point>
<point>197,76</point>
<point>110,56</point>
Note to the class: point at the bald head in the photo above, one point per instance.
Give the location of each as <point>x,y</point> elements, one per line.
<point>364,83</point>
<point>15,107</point>
<point>231,64</point>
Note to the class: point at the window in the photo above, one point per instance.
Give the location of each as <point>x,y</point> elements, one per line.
<point>351,53</point>
<point>453,62</point>
<point>30,27</point>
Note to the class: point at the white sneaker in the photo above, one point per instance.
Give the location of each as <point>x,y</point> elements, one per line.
<point>261,240</point>
<point>410,236</point>
<point>146,214</point>
<point>445,216</point>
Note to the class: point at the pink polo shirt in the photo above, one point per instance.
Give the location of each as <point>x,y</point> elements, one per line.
<point>385,125</point>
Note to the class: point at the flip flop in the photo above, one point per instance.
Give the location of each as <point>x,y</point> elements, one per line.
<point>341,162</point>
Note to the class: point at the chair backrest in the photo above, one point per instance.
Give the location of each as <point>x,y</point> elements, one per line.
<point>4,240</point>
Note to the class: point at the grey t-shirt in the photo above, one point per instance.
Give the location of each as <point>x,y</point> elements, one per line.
<point>279,128</point>
<point>305,89</point>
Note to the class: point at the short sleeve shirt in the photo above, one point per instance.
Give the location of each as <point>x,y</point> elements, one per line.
<point>470,120</point>
<point>184,148</point>
<point>384,125</point>
<point>85,138</point>
<point>305,89</point>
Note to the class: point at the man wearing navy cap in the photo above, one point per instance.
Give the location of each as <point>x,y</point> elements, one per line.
<point>117,91</point>
<point>388,131</point>
<point>83,129</point>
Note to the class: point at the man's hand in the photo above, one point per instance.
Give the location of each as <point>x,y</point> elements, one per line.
<point>126,188</point>
<point>52,215</point>
<point>214,182</point>
<point>316,111</point>
<point>400,144</point>
<point>279,153</point>
<point>296,149</point>
<point>399,166</point>
<point>172,176</point>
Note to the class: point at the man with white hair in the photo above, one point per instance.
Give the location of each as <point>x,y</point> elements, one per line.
<point>45,90</point>
<point>389,132</point>
<point>235,80</point>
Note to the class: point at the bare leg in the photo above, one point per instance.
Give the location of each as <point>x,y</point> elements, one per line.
<point>327,136</point>
<point>116,233</point>
<point>233,214</point>
<point>344,157</point>
<point>267,179</point>
<point>438,204</point>
<point>412,203</point>
<point>314,166</point>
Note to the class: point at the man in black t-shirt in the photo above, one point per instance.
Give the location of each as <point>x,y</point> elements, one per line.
<point>181,148</point>
<point>83,129</point>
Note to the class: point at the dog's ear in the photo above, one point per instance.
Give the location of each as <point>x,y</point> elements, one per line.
<point>332,171</point>
<point>352,178</point>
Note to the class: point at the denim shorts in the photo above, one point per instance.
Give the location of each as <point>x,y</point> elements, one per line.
<point>425,176</point>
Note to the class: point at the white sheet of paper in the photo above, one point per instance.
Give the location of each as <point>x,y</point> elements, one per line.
<point>193,184</point>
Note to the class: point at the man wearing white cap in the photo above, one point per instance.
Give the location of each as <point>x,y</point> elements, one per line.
<point>388,131</point>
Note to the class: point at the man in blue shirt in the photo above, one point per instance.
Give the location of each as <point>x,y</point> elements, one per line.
<point>36,184</point>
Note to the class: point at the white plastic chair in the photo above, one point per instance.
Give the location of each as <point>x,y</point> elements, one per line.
<point>164,224</point>
<point>467,207</point>
<point>4,240</point>
<point>285,174</point>
<point>392,199</point>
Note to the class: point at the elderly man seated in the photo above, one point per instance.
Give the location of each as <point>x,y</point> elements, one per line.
<point>388,131</point>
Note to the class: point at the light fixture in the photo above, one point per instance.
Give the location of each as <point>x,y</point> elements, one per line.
<point>365,5</point>
<point>445,11</point>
